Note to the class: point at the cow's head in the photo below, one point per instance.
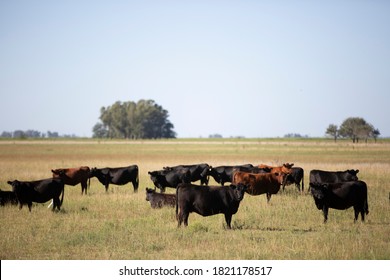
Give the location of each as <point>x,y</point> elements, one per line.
<point>15,184</point>
<point>352,174</point>
<point>58,172</point>
<point>92,172</point>
<point>213,173</point>
<point>319,190</point>
<point>149,193</point>
<point>156,178</point>
<point>238,191</point>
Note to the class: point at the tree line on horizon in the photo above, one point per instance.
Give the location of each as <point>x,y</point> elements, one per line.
<point>146,119</point>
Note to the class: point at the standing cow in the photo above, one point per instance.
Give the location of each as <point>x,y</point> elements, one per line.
<point>268,183</point>
<point>169,178</point>
<point>341,196</point>
<point>207,201</point>
<point>197,171</point>
<point>117,176</point>
<point>295,177</point>
<point>74,176</point>
<point>40,191</point>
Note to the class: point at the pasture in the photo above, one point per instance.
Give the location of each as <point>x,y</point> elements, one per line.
<point>121,225</point>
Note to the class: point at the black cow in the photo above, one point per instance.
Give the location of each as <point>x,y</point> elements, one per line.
<point>117,176</point>
<point>8,197</point>
<point>295,177</point>
<point>40,191</point>
<point>321,176</point>
<point>169,178</point>
<point>158,200</point>
<point>223,174</point>
<point>341,196</point>
<point>197,171</point>
<point>207,201</point>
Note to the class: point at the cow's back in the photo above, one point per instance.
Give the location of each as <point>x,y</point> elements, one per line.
<point>321,176</point>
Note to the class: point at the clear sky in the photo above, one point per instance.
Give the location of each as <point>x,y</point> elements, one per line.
<point>236,68</point>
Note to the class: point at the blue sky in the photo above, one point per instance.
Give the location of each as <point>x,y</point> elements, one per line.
<point>237,68</point>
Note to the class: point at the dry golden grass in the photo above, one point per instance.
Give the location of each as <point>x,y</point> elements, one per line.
<point>120,224</point>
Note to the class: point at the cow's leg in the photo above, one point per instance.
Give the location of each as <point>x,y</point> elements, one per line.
<point>268,197</point>
<point>325,209</point>
<point>56,203</point>
<point>106,186</point>
<point>298,186</point>
<point>362,213</point>
<point>135,185</point>
<point>185,217</point>
<point>357,210</point>
<point>84,187</point>
<point>179,218</point>
<point>20,205</point>
<point>29,206</point>
<point>228,219</point>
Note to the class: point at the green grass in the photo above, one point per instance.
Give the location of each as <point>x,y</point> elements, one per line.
<point>121,224</point>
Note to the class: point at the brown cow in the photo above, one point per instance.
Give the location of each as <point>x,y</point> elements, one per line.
<point>74,176</point>
<point>268,183</point>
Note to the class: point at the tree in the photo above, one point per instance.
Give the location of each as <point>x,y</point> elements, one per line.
<point>142,120</point>
<point>375,133</point>
<point>333,131</point>
<point>100,131</point>
<point>356,128</point>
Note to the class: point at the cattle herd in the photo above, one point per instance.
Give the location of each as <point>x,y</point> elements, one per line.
<point>330,189</point>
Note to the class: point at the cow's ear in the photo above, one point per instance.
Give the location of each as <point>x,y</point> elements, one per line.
<point>357,171</point>
<point>9,183</point>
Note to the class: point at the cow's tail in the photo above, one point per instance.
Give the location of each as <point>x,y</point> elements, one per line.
<point>62,197</point>
<point>177,202</point>
<point>137,179</point>
<point>366,207</point>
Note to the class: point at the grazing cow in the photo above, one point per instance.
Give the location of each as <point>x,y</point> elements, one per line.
<point>341,196</point>
<point>74,176</point>
<point>39,191</point>
<point>207,201</point>
<point>320,176</point>
<point>117,176</point>
<point>295,177</point>
<point>169,178</point>
<point>8,197</point>
<point>198,172</point>
<point>158,200</point>
<point>268,183</point>
<point>223,173</point>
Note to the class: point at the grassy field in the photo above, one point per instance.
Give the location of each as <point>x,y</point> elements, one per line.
<point>121,224</point>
